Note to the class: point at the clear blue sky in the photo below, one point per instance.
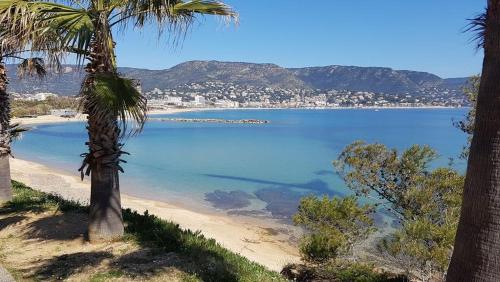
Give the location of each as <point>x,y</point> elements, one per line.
<point>425,35</point>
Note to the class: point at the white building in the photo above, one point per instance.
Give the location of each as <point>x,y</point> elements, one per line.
<point>44,96</point>
<point>156,91</point>
<point>226,104</point>
<point>157,103</point>
<point>199,101</point>
<point>177,101</point>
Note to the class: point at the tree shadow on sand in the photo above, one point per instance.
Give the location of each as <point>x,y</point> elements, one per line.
<point>162,246</point>
<point>63,266</point>
<point>59,226</point>
<point>11,220</point>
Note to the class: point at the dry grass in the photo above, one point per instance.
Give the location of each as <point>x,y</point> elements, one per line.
<point>42,237</point>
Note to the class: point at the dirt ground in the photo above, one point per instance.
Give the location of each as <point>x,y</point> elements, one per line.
<point>51,246</point>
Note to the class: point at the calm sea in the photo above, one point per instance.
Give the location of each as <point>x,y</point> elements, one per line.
<point>249,169</point>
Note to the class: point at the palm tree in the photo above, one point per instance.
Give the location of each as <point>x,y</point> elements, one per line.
<point>9,131</point>
<point>476,255</point>
<point>14,38</point>
<point>109,99</point>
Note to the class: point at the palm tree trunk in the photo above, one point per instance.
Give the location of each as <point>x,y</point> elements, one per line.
<point>476,255</point>
<point>105,220</point>
<point>5,181</point>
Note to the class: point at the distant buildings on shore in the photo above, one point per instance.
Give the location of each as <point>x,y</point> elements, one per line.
<point>228,95</point>
<point>33,97</point>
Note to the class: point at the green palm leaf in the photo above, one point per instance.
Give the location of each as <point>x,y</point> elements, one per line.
<point>46,27</point>
<point>175,15</point>
<point>104,93</point>
<point>204,7</point>
<point>73,27</point>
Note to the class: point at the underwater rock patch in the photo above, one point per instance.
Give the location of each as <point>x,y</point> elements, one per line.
<point>228,200</point>
<point>281,203</point>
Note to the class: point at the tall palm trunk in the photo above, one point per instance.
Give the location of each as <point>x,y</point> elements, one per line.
<point>105,220</point>
<point>476,255</point>
<point>5,181</point>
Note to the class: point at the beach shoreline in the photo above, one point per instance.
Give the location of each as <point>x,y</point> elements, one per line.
<point>49,119</point>
<point>262,241</point>
<point>250,236</point>
<point>258,240</point>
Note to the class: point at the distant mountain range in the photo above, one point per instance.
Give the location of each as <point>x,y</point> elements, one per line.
<point>370,79</point>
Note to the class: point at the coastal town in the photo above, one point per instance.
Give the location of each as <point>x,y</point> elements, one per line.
<point>229,95</point>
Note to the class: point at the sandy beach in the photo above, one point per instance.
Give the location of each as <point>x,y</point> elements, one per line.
<point>253,239</point>
<point>261,240</point>
<point>46,119</point>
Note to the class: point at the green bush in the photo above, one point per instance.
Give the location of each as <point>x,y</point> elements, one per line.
<point>333,226</point>
<point>353,272</point>
<point>340,271</point>
<point>21,108</point>
<point>425,202</point>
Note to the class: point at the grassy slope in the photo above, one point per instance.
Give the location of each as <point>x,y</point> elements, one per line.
<point>202,259</point>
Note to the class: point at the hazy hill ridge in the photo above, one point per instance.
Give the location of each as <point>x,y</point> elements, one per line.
<point>370,79</point>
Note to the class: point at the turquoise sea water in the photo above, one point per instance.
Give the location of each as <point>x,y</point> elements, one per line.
<point>244,168</point>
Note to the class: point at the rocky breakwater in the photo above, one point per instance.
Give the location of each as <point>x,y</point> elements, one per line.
<point>212,120</point>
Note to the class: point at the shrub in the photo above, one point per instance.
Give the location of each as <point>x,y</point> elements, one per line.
<point>425,202</point>
<point>339,271</point>
<point>333,226</point>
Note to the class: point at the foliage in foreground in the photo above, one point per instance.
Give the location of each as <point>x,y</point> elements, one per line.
<point>205,259</point>
<point>424,202</point>
<point>471,90</point>
<point>339,271</point>
<point>333,226</point>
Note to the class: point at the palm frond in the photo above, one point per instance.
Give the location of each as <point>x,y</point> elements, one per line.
<point>15,22</point>
<point>15,131</point>
<point>477,26</point>
<point>204,7</point>
<point>104,93</point>
<point>173,15</point>
<point>31,66</point>
<point>71,28</point>
<point>48,27</point>
<point>44,28</point>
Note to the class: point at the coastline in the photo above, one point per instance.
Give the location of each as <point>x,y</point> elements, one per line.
<point>48,119</point>
<point>263,241</point>
<point>255,239</point>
